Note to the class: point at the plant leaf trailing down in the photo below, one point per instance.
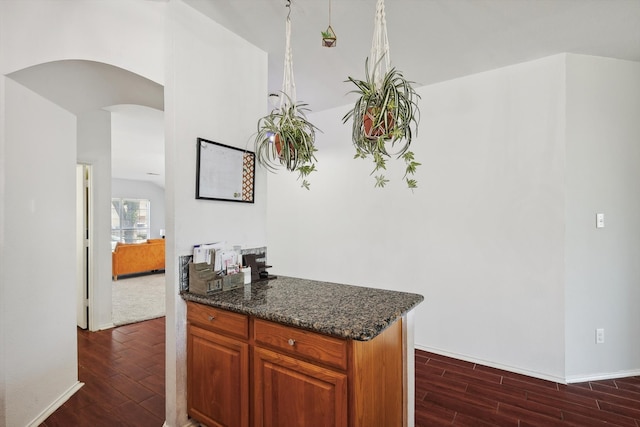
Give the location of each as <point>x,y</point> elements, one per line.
<point>286,138</point>
<point>385,115</point>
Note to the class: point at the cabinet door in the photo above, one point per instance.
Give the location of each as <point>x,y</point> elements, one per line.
<point>291,393</point>
<point>217,379</point>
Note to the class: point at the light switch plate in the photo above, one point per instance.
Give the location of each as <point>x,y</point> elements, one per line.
<point>600,220</point>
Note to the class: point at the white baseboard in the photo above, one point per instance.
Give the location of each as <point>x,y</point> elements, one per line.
<point>571,379</point>
<point>190,423</point>
<point>516,370</point>
<point>106,326</point>
<point>55,405</point>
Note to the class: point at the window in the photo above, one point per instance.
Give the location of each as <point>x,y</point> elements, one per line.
<point>129,221</point>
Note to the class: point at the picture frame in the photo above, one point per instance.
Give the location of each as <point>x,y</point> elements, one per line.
<point>224,172</point>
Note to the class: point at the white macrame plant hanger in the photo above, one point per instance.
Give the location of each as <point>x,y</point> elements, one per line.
<point>379,57</point>
<point>288,84</point>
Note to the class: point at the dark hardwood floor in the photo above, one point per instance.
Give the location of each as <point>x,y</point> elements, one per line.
<point>455,392</point>
<point>123,372</point>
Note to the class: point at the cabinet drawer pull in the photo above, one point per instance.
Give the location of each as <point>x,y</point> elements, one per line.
<point>211,318</point>
<point>291,341</point>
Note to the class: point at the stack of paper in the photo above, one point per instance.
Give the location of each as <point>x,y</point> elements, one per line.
<point>216,254</point>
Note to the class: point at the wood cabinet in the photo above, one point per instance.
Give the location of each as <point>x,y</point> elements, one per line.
<point>217,367</point>
<point>291,393</point>
<point>245,371</point>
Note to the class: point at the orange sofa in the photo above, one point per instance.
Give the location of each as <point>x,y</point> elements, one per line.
<point>128,258</point>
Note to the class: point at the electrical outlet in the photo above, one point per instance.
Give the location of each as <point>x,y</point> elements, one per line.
<point>600,336</point>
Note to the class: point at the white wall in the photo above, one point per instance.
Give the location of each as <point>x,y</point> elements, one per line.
<point>39,353</point>
<point>500,236</point>
<point>482,236</point>
<point>3,320</point>
<point>37,271</point>
<point>216,88</point>
<point>134,189</point>
<point>603,272</point>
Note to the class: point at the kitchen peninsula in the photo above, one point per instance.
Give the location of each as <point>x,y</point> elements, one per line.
<point>290,352</point>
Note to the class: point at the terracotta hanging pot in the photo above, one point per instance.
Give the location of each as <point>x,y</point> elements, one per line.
<point>279,146</point>
<point>382,130</point>
<point>278,143</point>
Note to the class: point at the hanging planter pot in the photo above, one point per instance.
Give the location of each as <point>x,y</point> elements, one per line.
<point>386,114</point>
<point>289,143</point>
<point>279,145</point>
<point>374,130</point>
<point>329,38</point>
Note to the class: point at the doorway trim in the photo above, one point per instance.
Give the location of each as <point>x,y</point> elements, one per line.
<point>85,265</point>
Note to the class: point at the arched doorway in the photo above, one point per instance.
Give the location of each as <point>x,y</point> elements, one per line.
<point>88,89</point>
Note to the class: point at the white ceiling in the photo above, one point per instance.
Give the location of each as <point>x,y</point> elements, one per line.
<point>430,41</point>
<point>137,143</point>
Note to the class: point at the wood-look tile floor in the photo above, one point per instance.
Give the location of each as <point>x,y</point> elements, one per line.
<point>123,372</point>
<point>455,392</point>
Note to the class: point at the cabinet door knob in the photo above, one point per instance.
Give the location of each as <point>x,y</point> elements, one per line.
<point>211,318</point>
<point>292,341</point>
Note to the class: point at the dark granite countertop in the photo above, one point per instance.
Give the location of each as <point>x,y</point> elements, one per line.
<point>346,311</point>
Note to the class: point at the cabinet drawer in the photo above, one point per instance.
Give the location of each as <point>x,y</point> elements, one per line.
<point>218,320</point>
<point>310,345</point>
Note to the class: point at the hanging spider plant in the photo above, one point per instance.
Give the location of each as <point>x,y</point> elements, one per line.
<point>286,138</point>
<point>385,111</point>
<point>383,115</point>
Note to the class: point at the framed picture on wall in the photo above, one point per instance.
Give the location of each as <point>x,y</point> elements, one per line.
<point>224,172</point>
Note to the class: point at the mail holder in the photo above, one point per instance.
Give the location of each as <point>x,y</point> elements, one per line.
<point>203,280</point>
<point>232,281</point>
